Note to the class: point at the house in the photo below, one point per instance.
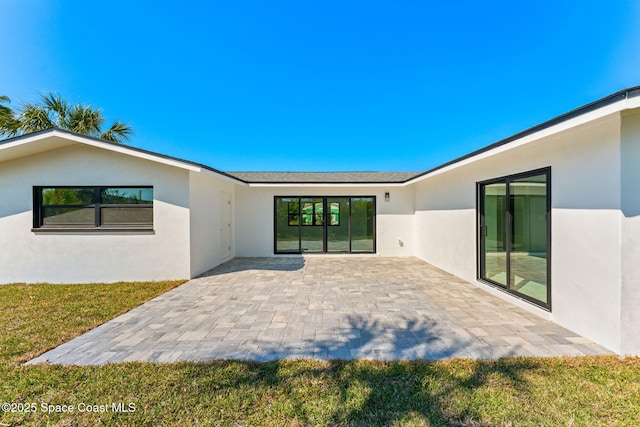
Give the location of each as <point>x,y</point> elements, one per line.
<point>548,218</point>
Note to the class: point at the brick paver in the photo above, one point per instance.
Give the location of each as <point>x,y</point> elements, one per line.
<point>323,308</point>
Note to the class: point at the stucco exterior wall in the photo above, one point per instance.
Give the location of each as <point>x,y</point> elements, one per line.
<point>254,216</point>
<point>27,256</point>
<point>630,292</point>
<point>586,222</point>
<point>205,201</point>
<point>595,219</point>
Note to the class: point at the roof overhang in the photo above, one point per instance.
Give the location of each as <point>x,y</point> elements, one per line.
<point>53,139</point>
<point>327,184</point>
<point>627,99</point>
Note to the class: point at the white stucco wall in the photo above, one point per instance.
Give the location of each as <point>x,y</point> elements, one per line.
<point>595,246</point>
<point>205,195</point>
<point>586,221</point>
<point>630,293</point>
<point>27,256</point>
<point>254,216</point>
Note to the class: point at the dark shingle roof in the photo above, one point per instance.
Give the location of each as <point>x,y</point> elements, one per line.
<point>324,177</point>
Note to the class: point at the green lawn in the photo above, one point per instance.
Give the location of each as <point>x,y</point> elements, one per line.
<point>512,392</point>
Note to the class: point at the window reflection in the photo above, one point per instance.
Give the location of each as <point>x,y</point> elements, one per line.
<point>513,234</point>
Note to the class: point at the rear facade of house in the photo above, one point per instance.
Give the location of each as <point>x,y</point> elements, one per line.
<point>548,219</point>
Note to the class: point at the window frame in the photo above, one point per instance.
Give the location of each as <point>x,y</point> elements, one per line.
<point>97,205</point>
<point>326,223</point>
<point>508,180</point>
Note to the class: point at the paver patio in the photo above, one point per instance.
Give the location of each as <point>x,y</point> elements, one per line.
<point>323,308</point>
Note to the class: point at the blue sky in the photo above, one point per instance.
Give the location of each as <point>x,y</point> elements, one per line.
<point>320,86</point>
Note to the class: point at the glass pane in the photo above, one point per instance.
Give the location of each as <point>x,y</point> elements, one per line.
<point>312,229</point>
<point>307,213</point>
<point>362,224</point>
<point>294,212</point>
<point>338,226</point>
<point>287,227</point>
<point>494,250</point>
<point>67,196</point>
<point>127,216</point>
<point>318,217</point>
<point>126,196</point>
<point>69,216</point>
<point>529,236</point>
<point>334,212</point>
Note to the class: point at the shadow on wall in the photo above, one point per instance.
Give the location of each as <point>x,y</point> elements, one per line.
<point>288,263</point>
<point>9,210</point>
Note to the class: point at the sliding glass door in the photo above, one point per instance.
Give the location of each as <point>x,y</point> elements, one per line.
<point>514,233</point>
<point>494,243</point>
<point>312,225</point>
<point>338,224</point>
<point>324,225</point>
<point>287,224</point>
<point>362,212</point>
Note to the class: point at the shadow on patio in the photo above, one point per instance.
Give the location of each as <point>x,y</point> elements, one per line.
<point>323,308</point>
<point>284,263</point>
<point>360,338</point>
<point>362,392</point>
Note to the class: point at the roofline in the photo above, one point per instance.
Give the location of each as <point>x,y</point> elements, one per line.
<point>280,183</point>
<point>323,183</point>
<point>55,130</point>
<point>628,93</point>
<point>621,95</point>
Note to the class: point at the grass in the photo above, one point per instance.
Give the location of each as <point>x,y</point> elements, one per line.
<point>510,392</point>
<point>36,318</point>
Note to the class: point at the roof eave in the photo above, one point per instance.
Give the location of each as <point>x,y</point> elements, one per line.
<point>327,184</point>
<point>116,147</point>
<point>615,103</point>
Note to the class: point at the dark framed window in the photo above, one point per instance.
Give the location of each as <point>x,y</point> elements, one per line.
<point>82,207</point>
<point>312,212</point>
<point>324,224</point>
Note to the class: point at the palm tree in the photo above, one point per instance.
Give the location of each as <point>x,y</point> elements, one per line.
<point>8,123</point>
<point>54,112</point>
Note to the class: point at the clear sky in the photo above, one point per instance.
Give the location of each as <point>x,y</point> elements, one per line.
<point>329,85</point>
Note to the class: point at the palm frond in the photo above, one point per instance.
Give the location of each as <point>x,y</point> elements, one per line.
<point>34,117</point>
<point>53,111</point>
<point>118,132</point>
<point>58,106</point>
<point>85,120</point>
<point>5,111</point>
<point>9,125</point>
